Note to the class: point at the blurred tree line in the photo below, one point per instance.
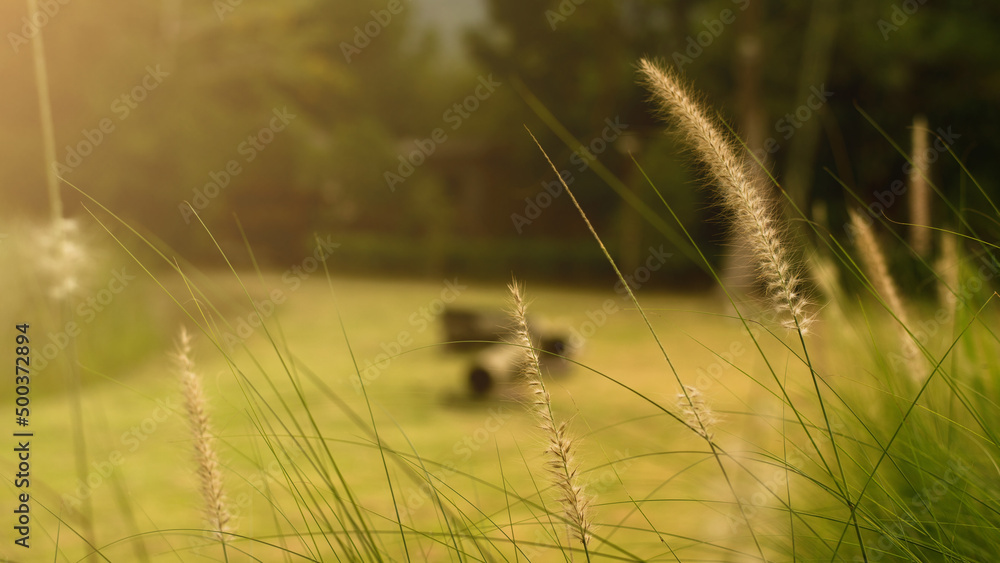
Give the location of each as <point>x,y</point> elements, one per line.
<point>342,117</point>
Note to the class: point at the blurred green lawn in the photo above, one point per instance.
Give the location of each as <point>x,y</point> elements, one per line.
<point>420,407</point>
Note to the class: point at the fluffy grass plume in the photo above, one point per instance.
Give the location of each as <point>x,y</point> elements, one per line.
<point>875,267</point>
<point>920,193</point>
<point>562,468</point>
<point>217,514</point>
<point>742,188</point>
<point>697,412</point>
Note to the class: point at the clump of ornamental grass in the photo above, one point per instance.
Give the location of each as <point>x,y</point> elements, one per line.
<point>216,508</point>
<point>562,468</point>
<point>742,189</point>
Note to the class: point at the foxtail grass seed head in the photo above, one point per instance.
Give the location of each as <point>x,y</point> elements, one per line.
<point>876,268</point>
<point>697,412</point>
<point>742,189</point>
<point>920,193</point>
<point>562,468</point>
<point>216,509</point>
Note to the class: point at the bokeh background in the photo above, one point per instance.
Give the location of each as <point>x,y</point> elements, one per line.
<point>366,85</point>
<point>396,132</point>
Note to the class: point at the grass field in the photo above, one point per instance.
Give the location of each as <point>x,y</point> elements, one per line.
<point>305,479</point>
<point>135,422</point>
<point>485,457</point>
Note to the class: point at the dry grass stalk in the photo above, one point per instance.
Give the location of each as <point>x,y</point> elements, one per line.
<point>562,468</point>
<point>743,190</point>
<point>216,509</point>
<point>877,270</point>
<point>920,193</point>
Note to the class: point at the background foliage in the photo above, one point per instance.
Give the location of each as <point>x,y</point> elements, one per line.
<point>230,65</point>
